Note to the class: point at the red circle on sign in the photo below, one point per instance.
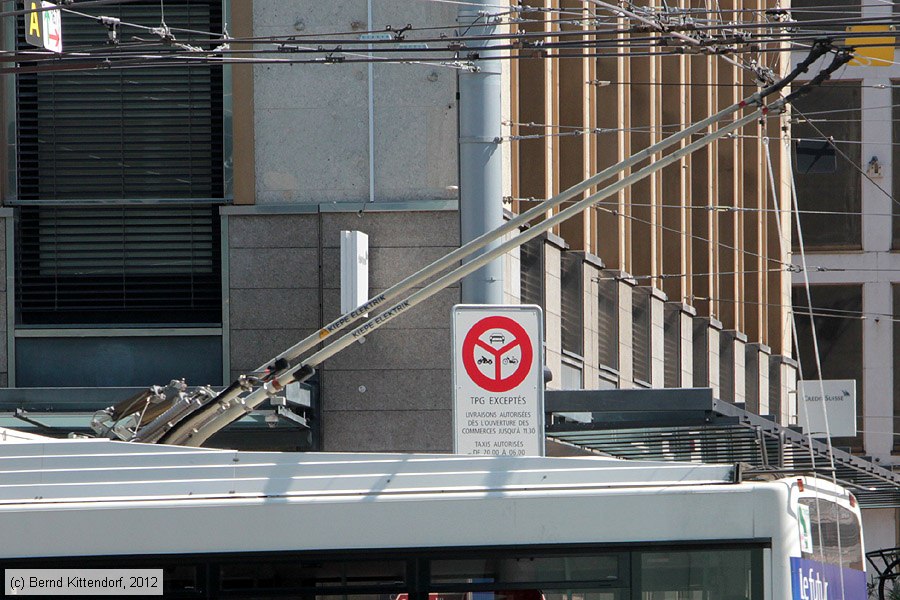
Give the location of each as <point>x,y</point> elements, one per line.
<point>520,340</point>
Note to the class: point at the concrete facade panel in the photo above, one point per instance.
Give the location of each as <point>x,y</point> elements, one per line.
<point>275,308</point>
<point>272,268</point>
<point>367,390</point>
<point>431,313</point>
<point>397,229</point>
<point>282,231</point>
<point>251,348</point>
<point>404,349</point>
<point>387,265</point>
<point>388,431</point>
<point>312,155</point>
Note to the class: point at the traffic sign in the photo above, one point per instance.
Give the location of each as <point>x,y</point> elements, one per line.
<point>34,23</point>
<point>52,28</point>
<point>498,380</point>
<point>497,353</point>
<point>43,25</point>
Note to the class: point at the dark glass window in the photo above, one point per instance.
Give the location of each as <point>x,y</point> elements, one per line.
<point>123,133</point>
<point>572,303</point>
<point>837,315</point>
<point>837,538</point>
<point>531,261</point>
<point>528,569</point>
<point>118,265</point>
<point>317,577</point>
<point>700,574</point>
<point>608,322</point>
<point>672,346</point>
<point>641,344</point>
<point>824,10</point>
<point>830,202</point>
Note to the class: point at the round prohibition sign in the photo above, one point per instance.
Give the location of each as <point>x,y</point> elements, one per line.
<point>520,340</point>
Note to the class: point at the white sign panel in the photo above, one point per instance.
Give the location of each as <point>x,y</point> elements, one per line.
<point>839,403</point>
<point>498,380</point>
<point>52,28</point>
<point>354,270</point>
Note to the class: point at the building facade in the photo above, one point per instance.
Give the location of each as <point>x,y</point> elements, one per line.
<point>184,222</point>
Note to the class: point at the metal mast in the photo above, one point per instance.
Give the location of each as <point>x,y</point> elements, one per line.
<point>480,155</point>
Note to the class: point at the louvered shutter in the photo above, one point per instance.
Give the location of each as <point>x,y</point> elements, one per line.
<point>119,136</point>
<point>531,259</point>
<point>572,303</point>
<point>726,366</point>
<point>608,323</point>
<point>641,335</point>
<point>137,133</point>
<point>119,265</point>
<point>672,347</point>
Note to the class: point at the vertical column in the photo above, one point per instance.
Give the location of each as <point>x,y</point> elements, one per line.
<point>642,194</point>
<point>673,191</point>
<point>243,148</point>
<point>553,248</point>
<point>610,99</point>
<point>877,383</point>
<point>702,248</point>
<point>574,118</point>
<point>480,155</point>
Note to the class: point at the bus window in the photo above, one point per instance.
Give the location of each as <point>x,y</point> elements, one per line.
<point>733,574</point>
<point>841,541</point>
<point>601,568</point>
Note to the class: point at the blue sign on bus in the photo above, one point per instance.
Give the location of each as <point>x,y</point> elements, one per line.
<point>812,580</point>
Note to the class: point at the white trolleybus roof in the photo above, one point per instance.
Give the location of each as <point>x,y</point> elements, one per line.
<point>89,502</point>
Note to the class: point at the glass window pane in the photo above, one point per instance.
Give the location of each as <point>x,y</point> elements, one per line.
<point>822,10</point>
<point>836,312</point>
<point>313,575</point>
<point>698,575</point>
<point>604,568</point>
<point>833,110</point>
<point>839,530</point>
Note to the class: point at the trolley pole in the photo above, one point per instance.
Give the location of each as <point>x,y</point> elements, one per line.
<point>480,154</point>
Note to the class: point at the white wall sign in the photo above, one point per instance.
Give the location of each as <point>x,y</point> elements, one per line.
<point>498,380</point>
<point>354,270</point>
<point>840,402</point>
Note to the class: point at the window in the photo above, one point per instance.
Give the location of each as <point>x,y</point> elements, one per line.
<point>836,313</point>
<point>119,174</point>
<point>118,265</point>
<point>608,322</point>
<point>700,574</point>
<point>572,303</point>
<point>672,345</point>
<point>91,143</point>
<point>531,260</point>
<point>830,110</point>
<point>726,365</point>
<point>817,10</point>
<point>148,133</point>
<point>641,345</point>
<point>836,534</point>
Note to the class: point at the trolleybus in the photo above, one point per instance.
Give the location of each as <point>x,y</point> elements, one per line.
<point>386,526</point>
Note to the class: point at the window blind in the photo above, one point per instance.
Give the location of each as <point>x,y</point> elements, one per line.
<point>123,133</point>
<point>118,265</point>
